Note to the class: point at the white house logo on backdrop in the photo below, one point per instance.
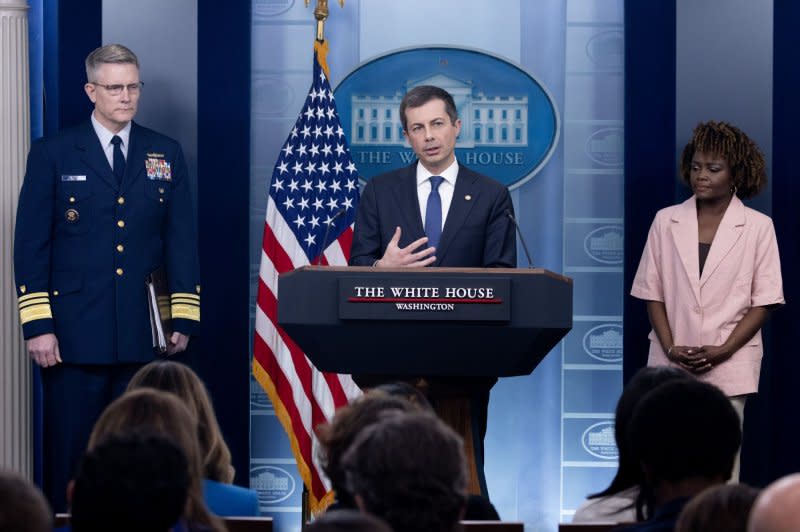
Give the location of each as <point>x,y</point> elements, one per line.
<point>605,146</point>
<point>598,440</point>
<point>509,122</point>
<point>605,244</point>
<point>259,401</point>
<point>606,49</point>
<point>604,342</point>
<point>485,120</point>
<point>274,484</point>
<point>270,8</point>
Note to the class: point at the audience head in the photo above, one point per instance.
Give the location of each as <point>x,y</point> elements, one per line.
<point>723,507</point>
<point>337,436</point>
<point>406,391</point>
<point>409,469</point>
<point>777,508</point>
<point>347,521</point>
<point>23,508</point>
<point>179,379</point>
<point>162,413</point>
<point>685,429</point>
<point>744,159</point>
<point>645,380</point>
<point>130,483</point>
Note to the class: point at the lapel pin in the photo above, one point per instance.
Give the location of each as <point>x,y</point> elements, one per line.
<point>468,197</point>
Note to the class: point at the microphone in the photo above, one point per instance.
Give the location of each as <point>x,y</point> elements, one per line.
<point>327,232</point>
<point>519,232</point>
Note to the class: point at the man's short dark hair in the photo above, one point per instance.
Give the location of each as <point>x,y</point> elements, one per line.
<point>409,470</point>
<point>130,482</point>
<point>685,428</point>
<point>22,506</point>
<point>419,96</point>
<point>337,436</point>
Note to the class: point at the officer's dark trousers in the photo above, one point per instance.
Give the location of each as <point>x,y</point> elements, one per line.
<point>74,396</point>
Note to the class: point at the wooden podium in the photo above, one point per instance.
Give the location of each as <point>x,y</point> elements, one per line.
<point>456,326</point>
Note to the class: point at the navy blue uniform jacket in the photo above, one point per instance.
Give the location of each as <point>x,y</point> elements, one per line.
<point>477,231</point>
<point>84,244</point>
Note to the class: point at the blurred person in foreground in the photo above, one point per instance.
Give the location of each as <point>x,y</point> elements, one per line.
<point>220,495</point>
<point>23,508</point>
<point>617,503</point>
<point>409,469</point>
<point>337,436</point>
<point>347,521</point>
<point>163,413</point>
<point>130,483</point>
<point>724,507</point>
<point>685,435</point>
<point>777,508</point>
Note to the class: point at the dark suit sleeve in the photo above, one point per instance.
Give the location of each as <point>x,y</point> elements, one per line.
<point>367,246</point>
<point>180,236</point>
<point>500,246</point>
<point>33,242</point>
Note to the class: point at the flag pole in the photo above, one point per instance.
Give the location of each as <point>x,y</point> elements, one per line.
<point>321,13</point>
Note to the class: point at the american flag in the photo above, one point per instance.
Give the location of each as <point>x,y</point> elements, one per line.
<point>313,191</point>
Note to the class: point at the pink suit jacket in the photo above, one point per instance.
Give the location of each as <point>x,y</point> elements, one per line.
<point>742,271</point>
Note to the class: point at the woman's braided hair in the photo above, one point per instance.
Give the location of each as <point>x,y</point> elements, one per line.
<point>748,169</point>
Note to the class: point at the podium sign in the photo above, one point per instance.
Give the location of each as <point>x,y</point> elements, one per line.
<point>459,322</point>
<point>425,298</point>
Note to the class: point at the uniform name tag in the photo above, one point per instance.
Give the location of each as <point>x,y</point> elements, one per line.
<point>73,177</point>
<point>158,169</point>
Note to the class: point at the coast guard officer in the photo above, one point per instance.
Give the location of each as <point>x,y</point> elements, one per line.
<point>102,205</point>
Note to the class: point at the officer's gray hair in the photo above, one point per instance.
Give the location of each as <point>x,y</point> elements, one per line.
<point>110,53</point>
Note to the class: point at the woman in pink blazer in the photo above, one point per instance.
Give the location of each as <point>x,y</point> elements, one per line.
<point>710,270</point>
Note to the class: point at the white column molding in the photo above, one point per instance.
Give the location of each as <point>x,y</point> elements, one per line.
<point>16,427</point>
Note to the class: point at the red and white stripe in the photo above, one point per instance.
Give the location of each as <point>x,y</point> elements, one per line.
<point>303,396</point>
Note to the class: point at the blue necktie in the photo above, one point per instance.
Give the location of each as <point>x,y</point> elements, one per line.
<point>433,213</point>
<point>119,159</point>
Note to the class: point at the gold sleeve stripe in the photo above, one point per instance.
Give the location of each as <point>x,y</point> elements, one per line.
<point>180,300</point>
<point>32,302</point>
<point>189,312</point>
<point>35,312</point>
<point>32,295</point>
<point>185,295</point>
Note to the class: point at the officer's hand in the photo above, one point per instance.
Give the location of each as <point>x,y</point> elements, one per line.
<point>177,343</point>
<point>397,257</point>
<point>43,349</point>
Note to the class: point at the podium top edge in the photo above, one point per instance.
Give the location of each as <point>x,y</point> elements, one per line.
<point>430,269</point>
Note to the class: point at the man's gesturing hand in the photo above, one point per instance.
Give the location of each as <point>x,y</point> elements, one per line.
<point>397,257</point>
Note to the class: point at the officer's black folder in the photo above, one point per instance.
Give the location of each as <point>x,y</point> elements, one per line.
<point>158,304</point>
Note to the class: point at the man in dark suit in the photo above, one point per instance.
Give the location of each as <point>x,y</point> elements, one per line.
<point>102,205</point>
<point>437,212</point>
<point>473,229</point>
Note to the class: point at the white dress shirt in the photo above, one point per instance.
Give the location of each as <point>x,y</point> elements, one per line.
<point>446,188</point>
<point>105,137</point>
